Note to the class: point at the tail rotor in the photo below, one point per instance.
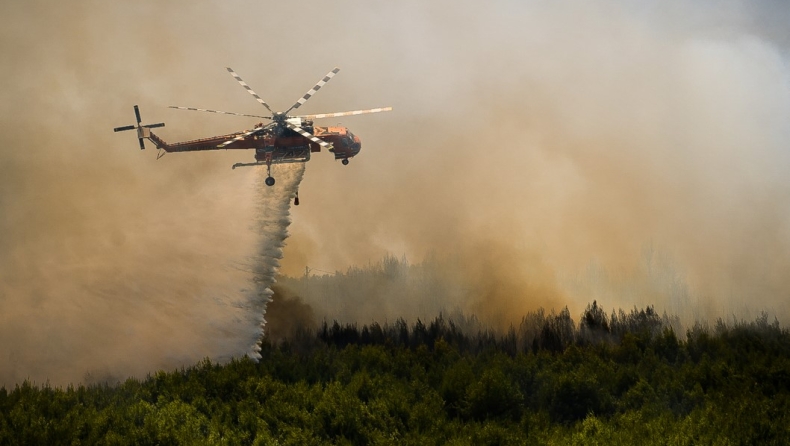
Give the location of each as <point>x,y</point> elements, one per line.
<point>143,131</point>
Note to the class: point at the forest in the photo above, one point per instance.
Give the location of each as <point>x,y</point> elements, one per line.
<point>610,378</point>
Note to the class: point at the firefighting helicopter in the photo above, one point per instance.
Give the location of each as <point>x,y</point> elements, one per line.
<point>286,139</point>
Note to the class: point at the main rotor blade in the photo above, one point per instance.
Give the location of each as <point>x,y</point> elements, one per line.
<point>304,133</point>
<point>153,126</point>
<point>219,111</point>
<point>137,114</point>
<point>243,136</point>
<point>126,127</point>
<point>312,91</point>
<point>348,113</point>
<point>249,90</point>
<point>142,145</point>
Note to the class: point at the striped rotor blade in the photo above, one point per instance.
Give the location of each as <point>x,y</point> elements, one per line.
<point>304,133</point>
<point>348,113</point>
<point>247,87</point>
<point>218,111</point>
<point>241,137</point>
<point>312,91</point>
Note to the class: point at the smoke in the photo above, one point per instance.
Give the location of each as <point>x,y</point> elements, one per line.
<point>287,314</point>
<point>538,143</point>
<point>541,148</point>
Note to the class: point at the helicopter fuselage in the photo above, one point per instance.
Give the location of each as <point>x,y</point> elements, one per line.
<point>274,145</point>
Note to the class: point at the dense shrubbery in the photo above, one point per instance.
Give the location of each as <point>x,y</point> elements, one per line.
<point>621,379</point>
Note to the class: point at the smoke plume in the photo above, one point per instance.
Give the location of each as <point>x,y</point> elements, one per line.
<point>548,153</point>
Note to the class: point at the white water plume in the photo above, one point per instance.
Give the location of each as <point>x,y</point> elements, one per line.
<point>271,223</point>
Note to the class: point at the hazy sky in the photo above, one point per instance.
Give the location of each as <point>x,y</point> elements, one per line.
<point>534,142</point>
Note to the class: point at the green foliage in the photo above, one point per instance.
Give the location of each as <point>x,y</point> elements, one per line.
<point>624,379</point>
<point>494,396</point>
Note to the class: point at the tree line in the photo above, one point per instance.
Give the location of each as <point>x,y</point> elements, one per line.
<point>612,378</point>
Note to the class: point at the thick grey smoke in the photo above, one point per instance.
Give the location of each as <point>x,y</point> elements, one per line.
<point>546,148</point>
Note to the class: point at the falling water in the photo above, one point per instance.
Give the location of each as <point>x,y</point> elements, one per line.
<point>271,223</point>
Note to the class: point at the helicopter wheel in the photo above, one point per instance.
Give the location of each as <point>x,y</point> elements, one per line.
<point>345,161</point>
<point>269,181</point>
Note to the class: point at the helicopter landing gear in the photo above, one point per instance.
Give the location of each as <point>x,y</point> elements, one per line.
<point>345,161</point>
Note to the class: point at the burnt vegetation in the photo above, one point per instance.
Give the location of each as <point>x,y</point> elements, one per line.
<point>620,377</point>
